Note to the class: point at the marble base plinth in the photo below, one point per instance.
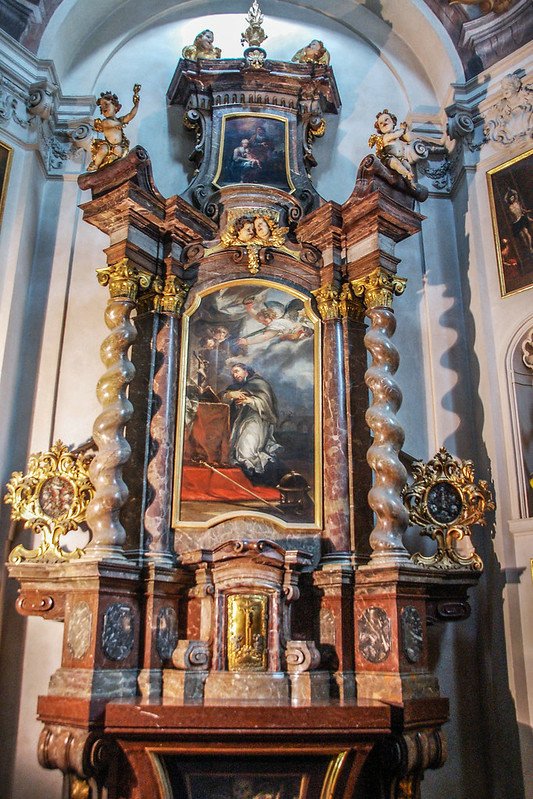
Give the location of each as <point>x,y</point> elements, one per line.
<point>94,684</point>
<point>396,687</point>
<point>150,682</point>
<point>246,688</point>
<point>343,686</point>
<point>183,687</point>
<point>310,687</point>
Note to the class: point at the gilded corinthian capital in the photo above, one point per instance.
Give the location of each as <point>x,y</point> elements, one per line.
<point>339,303</point>
<point>124,279</point>
<point>172,297</point>
<point>327,300</point>
<point>378,288</point>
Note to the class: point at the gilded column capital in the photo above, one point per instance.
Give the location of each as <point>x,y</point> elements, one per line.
<point>327,300</point>
<point>172,297</point>
<point>338,303</point>
<point>378,288</point>
<point>124,279</point>
<point>350,306</point>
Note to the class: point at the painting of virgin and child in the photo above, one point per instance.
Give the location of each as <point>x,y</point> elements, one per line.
<point>253,151</point>
<point>249,401</point>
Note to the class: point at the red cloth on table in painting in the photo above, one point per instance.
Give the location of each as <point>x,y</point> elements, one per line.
<point>201,484</point>
<point>209,436</point>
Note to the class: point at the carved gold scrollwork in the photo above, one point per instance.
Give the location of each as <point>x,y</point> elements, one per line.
<point>124,279</point>
<point>378,288</point>
<point>445,502</point>
<point>173,295</point>
<point>52,499</point>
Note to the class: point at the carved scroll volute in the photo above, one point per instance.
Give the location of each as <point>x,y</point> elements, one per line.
<point>385,497</point>
<point>125,281</point>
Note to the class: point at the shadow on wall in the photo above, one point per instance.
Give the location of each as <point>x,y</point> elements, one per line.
<point>25,334</point>
<point>488,741</point>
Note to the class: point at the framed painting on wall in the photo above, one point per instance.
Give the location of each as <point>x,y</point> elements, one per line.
<point>249,421</point>
<point>6,154</point>
<point>254,149</point>
<point>511,201</point>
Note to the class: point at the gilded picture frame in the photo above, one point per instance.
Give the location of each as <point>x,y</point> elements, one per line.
<point>207,463</point>
<point>510,188</point>
<point>254,148</point>
<point>6,157</point>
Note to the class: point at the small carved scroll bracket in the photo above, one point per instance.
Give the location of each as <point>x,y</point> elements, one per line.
<point>84,756</point>
<point>407,756</point>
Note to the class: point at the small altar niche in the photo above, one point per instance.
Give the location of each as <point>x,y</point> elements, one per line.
<point>241,607</point>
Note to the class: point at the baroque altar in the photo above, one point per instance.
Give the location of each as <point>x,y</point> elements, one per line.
<point>246,620</point>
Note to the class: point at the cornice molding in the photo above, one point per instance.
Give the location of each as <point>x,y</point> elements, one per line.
<point>36,115</point>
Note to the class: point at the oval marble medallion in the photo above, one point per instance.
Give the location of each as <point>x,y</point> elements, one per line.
<point>118,632</point>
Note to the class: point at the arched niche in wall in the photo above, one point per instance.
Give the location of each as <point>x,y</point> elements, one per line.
<point>520,385</point>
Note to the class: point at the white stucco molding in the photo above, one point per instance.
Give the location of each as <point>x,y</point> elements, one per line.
<point>33,111</point>
<point>520,528</point>
<point>490,113</point>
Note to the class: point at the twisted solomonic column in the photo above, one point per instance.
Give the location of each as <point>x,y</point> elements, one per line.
<point>385,496</point>
<point>108,534</point>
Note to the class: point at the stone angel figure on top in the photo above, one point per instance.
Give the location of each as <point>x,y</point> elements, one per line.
<point>391,144</point>
<point>314,53</point>
<point>114,145</point>
<point>202,47</point>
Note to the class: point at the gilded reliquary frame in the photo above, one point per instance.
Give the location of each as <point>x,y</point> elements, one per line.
<point>249,408</point>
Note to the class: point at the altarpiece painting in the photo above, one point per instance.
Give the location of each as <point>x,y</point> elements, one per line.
<point>250,401</point>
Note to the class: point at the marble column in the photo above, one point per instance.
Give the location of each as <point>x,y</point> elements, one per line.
<point>108,534</point>
<point>385,496</point>
<point>158,546</point>
<point>335,424</point>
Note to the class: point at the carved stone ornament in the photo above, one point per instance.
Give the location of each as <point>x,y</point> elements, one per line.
<point>510,119</point>
<point>445,502</point>
<point>191,655</point>
<point>118,633</point>
<point>254,228</point>
<point>52,498</point>
<point>301,656</point>
<point>374,631</point>
<point>412,634</point>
